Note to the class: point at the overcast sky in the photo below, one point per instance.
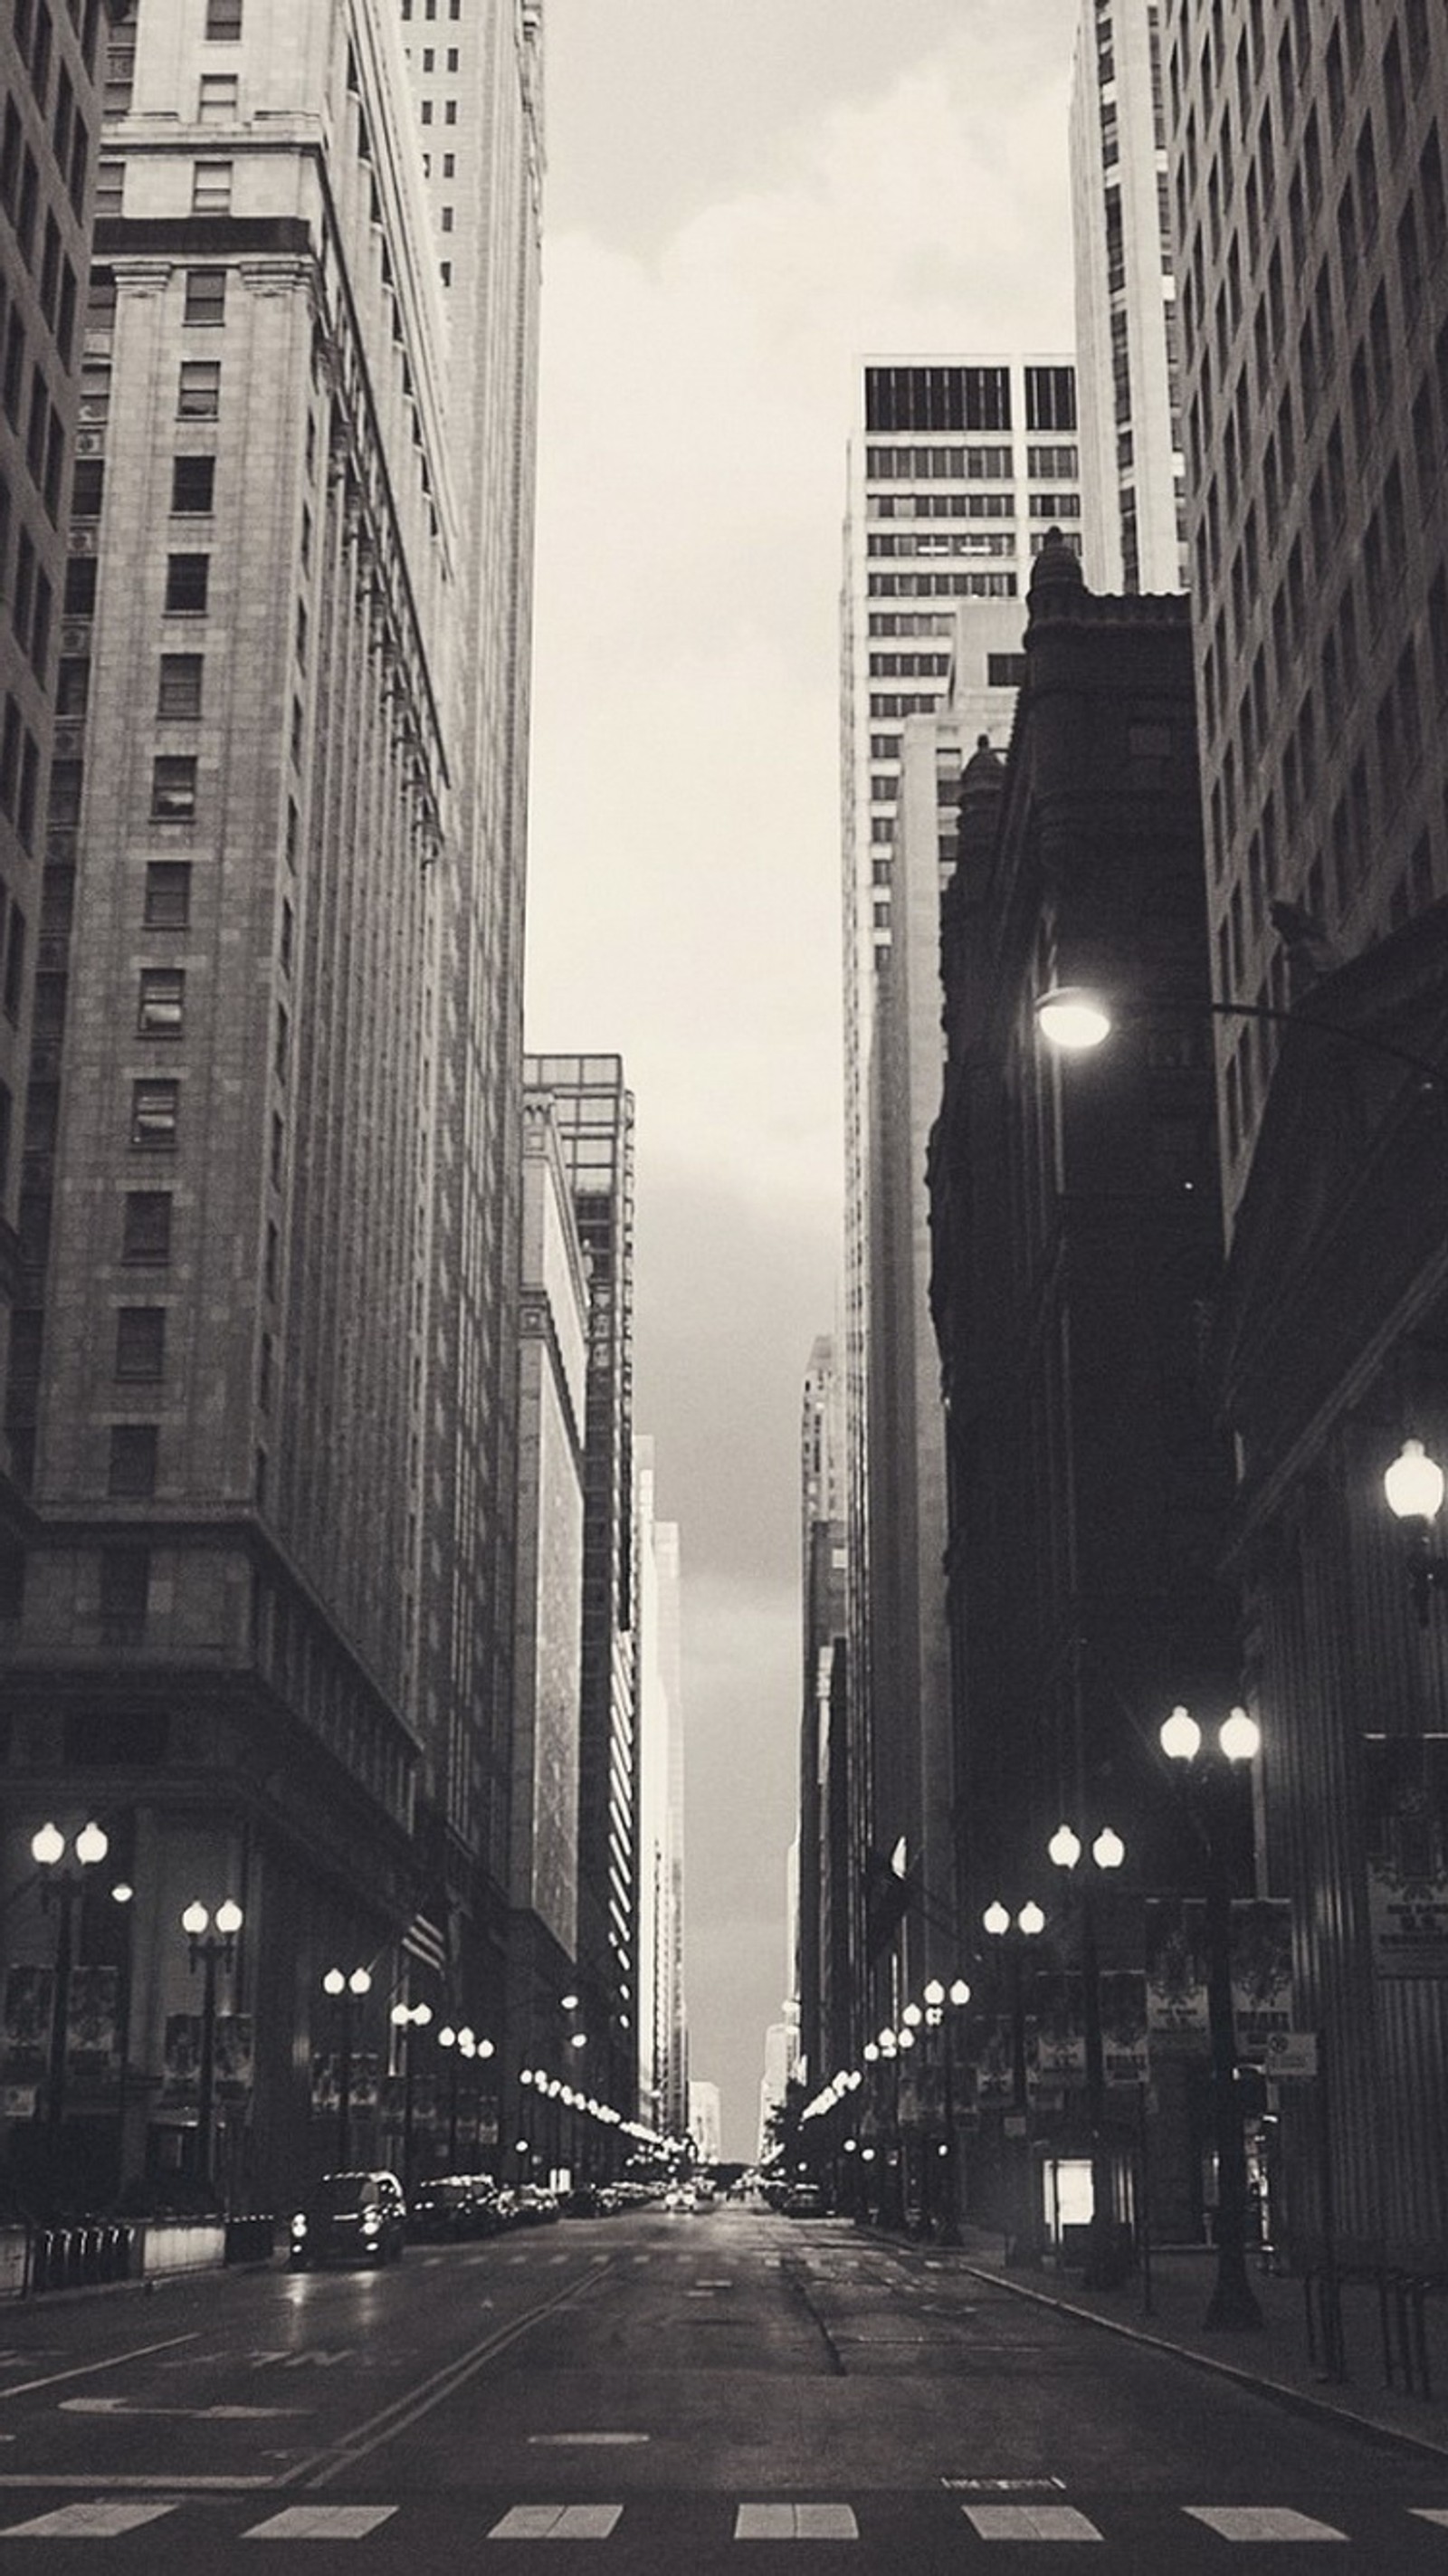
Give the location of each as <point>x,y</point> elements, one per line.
<point>744,197</point>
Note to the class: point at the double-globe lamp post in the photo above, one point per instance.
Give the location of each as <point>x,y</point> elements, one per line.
<point>346,1987</point>
<point>1016,1937</point>
<point>60,1886</point>
<point>211,1946</point>
<point>942,2013</point>
<point>406,2018</point>
<point>1108,1851</point>
<point>1208,1777</point>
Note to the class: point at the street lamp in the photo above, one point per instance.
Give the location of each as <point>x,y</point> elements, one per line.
<point>60,1886</point>
<point>209,1949</point>
<point>1208,1775</point>
<point>1414,1488</point>
<point>1075,1019</point>
<point>1108,1851</point>
<point>1015,1938</point>
<point>942,2012</point>
<point>406,2018</point>
<point>345,1985</point>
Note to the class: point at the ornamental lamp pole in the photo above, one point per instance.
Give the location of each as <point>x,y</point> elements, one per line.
<point>209,1949</point>
<point>60,1886</point>
<point>1103,2260</point>
<point>344,1986</point>
<point>1206,1779</point>
<point>1414,1488</point>
<point>406,2018</point>
<point>1015,1938</point>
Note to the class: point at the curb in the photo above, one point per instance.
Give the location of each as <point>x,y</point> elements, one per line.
<point>1298,2401</point>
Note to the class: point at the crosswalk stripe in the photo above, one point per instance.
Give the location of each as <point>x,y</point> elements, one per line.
<point>1430,2513</point>
<point>795,2522</point>
<point>1030,2522</point>
<point>322,2522</point>
<point>557,2522</point>
<point>86,2522</point>
<point>1261,2522</point>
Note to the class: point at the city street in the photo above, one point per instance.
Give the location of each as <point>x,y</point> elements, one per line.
<point>668,2387</point>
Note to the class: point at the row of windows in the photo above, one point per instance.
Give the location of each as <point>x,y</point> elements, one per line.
<point>939,464</point>
<point>942,505</point>
<point>967,543</point>
<point>19,196</point>
<point>36,418</point>
<point>193,485</point>
<point>946,397</point>
<point>909,666</point>
<point>910,621</point>
<point>942,585</point>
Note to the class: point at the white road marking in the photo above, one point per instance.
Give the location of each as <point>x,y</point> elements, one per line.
<point>86,2522</point>
<point>795,2522</point>
<point>563,2441</point>
<point>1430,2513</point>
<point>193,2414</point>
<point>322,2522</point>
<point>557,2522</point>
<point>1030,2522</point>
<point>1261,2522</point>
<point>83,2370</point>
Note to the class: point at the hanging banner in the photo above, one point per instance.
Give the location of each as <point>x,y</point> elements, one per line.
<point>29,2007</point>
<point>92,2029</point>
<point>234,2060</point>
<point>1406,1832</point>
<point>1056,2032</point>
<point>366,2080</point>
<point>1123,2025</point>
<point>1176,1973</point>
<point>181,2059</point>
<point>326,2089</point>
<point>991,2047</point>
<point>1261,1970</point>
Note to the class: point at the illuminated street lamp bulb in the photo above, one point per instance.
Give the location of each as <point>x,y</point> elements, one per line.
<point>91,1845</point>
<point>872,2053</point>
<point>194,1921</point>
<point>1413,1485</point>
<point>465,2036</point>
<point>1108,1851</point>
<point>569,2003</point>
<point>1064,1847</point>
<point>996,1920</point>
<point>229,1918</point>
<point>911,2016</point>
<point>579,2039</point>
<point>48,1846</point>
<point>905,2038</point>
<point>960,1992</point>
<point>525,2075</point>
<point>935,1994</point>
<point>446,2036</point>
<point>1030,1919</point>
<point>1240,1736</point>
<point>122,1892</point>
<point>1181,1737</point>
<point>360,1982</point>
<point>485,2048</point>
<point>1073,1019</point>
<point>400,2016</point>
<point>334,1983</point>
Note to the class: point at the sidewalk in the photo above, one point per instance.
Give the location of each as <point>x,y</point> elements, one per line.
<point>1275,2359</point>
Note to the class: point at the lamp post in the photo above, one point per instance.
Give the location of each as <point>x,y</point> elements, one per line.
<point>345,1986</point>
<point>1414,1488</point>
<point>1207,1777</point>
<point>209,1949</point>
<point>406,2018</point>
<point>1108,1851</point>
<point>1076,1019</point>
<point>60,1885</point>
<point>1015,1939</point>
<point>942,2011</point>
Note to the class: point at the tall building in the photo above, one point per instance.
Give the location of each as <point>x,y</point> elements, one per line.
<point>957,469</point>
<point>1310,200</point>
<point>273,1199</point>
<point>1128,352</point>
<point>829,1922</point>
<point>595,1113</point>
<point>48,68</point>
<point>547,1660</point>
<point>663,2066</point>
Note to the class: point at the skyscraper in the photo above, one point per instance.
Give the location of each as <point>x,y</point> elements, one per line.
<point>663,2048</point>
<point>595,1113</point>
<point>1128,352</point>
<point>273,1079</point>
<point>957,470</point>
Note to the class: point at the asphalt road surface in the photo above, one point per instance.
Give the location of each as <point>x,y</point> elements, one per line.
<point>661,2393</point>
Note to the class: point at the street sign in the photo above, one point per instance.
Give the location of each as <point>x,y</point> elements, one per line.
<point>1291,2054</point>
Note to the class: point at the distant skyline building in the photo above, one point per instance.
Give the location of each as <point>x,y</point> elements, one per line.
<point>1128,346</point>
<point>663,2056</point>
<point>704,2123</point>
<point>594,1110</point>
<point>825,1916</point>
<point>957,469</point>
<point>263,1387</point>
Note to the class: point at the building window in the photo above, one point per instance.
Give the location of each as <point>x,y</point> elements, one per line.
<point>146,1227</point>
<point>199,395</point>
<point>155,1114</point>
<point>193,484</point>
<point>67,778</point>
<point>205,305</point>
<point>173,788</point>
<point>179,695</point>
<point>167,904</point>
<point>211,187</point>
<point>125,1586</point>
<point>223,22</point>
<point>131,1473</point>
<point>87,489</point>
<point>140,1342</point>
<point>1050,398</point>
<point>187,579</point>
<point>161,1002</point>
<point>219,98</point>
<point>72,688</point>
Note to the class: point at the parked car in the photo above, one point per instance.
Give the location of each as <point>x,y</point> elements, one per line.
<point>680,2198</point>
<point>349,2217</point>
<point>442,2208</point>
<point>805,2200</point>
<point>537,2206</point>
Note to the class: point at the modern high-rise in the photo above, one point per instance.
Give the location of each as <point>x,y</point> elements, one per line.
<point>1309,175</point>
<point>594,1110</point>
<point>51,127</point>
<point>1128,352</point>
<point>272,1198</point>
<point>957,470</point>
<point>829,1919</point>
